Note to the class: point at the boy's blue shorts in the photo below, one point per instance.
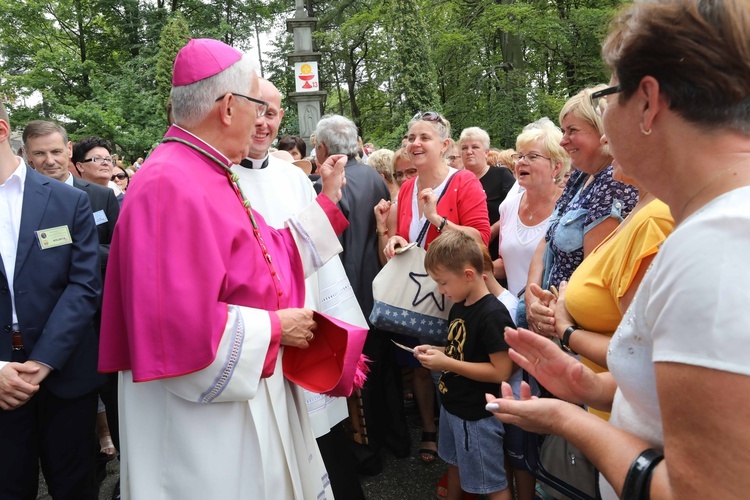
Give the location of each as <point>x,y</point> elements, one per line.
<point>476,448</point>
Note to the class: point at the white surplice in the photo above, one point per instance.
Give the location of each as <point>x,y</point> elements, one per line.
<point>278,191</point>
<point>248,423</point>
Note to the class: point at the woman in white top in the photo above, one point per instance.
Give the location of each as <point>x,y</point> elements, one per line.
<point>540,163</point>
<point>677,119</point>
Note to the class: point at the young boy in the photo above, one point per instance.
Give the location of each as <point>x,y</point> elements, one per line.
<point>474,363</point>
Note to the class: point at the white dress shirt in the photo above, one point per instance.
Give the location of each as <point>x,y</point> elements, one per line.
<point>11,202</point>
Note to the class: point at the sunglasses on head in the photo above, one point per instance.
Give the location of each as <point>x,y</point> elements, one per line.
<point>119,176</point>
<point>429,116</point>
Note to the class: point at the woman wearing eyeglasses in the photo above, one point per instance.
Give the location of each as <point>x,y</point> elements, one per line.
<point>403,170</point>
<point>678,120</point>
<point>540,162</point>
<point>386,212</point>
<point>592,205</point>
<point>462,207</point>
<point>453,155</point>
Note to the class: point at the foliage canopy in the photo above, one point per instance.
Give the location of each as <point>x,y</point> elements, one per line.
<point>103,67</point>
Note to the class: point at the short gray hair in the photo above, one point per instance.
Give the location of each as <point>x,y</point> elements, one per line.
<point>192,103</point>
<point>339,134</point>
<point>475,134</point>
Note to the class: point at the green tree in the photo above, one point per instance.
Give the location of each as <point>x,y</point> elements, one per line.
<point>104,66</point>
<point>504,63</point>
<point>173,37</point>
<point>414,75</point>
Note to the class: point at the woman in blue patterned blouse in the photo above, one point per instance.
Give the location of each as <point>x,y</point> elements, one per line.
<point>590,208</point>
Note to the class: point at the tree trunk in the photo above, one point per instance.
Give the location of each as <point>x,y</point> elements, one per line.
<point>351,81</point>
<point>257,41</point>
<point>85,90</point>
<point>338,90</point>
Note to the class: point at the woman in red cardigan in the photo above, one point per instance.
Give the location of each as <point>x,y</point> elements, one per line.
<point>439,199</point>
<point>463,206</point>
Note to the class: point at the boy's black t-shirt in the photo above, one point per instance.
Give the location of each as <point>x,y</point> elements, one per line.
<point>474,332</point>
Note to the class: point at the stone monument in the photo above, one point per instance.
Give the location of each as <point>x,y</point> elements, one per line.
<point>308,95</point>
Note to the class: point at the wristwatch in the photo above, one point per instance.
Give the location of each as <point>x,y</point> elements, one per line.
<point>442,225</point>
<point>565,341</point>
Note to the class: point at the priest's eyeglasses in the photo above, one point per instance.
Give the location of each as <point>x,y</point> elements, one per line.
<point>261,106</point>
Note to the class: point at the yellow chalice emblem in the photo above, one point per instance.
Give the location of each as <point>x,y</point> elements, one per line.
<point>306,75</point>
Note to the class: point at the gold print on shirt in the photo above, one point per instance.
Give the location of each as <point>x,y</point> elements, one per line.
<point>455,347</point>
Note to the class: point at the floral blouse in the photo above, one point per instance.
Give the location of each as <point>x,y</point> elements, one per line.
<point>578,211</point>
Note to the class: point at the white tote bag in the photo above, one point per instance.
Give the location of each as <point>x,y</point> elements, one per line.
<point>407,300</point>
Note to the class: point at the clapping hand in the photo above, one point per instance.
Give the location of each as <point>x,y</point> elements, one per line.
<point>540,312</point>
<point>561,374</point>
<point>563,319</point>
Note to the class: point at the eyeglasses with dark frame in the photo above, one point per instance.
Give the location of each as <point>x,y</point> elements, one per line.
<point>429,116</point>
<point>99,159</point>
<point>529,157</point>
<point>262,106</point>
<point>599,101</point>
<point>122,177</point>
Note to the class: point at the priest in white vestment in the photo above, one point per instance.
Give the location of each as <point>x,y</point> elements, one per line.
<point>277,190</point>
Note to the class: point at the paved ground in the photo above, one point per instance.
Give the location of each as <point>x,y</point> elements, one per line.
<point>402,479</point>
<point>405,478</point>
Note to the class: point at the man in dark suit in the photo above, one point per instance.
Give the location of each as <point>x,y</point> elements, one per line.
<point>48,151</point>
<point>50,287</point>
<point>382,394</point>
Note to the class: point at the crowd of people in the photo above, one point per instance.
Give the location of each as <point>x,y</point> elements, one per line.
<point>596,270</point>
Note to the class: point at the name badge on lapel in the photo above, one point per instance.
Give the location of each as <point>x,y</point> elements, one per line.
<point>100,217</point>
<point>53,237</point>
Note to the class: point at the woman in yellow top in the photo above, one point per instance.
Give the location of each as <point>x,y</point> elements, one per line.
<point>591,305</point>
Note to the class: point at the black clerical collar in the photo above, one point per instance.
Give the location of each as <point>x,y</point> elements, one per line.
<point>255,163</point>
